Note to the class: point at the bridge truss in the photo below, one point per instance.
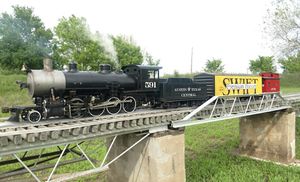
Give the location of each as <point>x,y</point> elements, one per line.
<point>70,138</point>
<point>37,162</point>
<point>229,107</point>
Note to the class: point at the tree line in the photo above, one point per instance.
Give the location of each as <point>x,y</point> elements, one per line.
<point>282,27</point>
<point>25,40</point>
<point>291,64</point>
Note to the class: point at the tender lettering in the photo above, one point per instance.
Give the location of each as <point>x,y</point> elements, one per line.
<point>188,95</point>
<point>239,86</point>
<point>189,89</point>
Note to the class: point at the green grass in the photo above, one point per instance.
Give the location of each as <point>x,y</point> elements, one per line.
<point>10,93</point>
<point>290,80</point>
<point>290,90</point>
<point>209,156</point>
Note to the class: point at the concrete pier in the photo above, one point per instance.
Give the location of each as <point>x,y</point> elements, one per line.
<point>269,136</point>
<point>160,157</point>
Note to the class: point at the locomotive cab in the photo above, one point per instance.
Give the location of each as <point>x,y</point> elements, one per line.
<point>147,77</point>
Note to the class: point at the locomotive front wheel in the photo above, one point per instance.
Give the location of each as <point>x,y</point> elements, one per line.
<point>34,116</point>
<point>96,112</point>
<point>116,105</point>
<point>129,104</point>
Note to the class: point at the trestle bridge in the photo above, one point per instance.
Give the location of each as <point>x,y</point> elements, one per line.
<point>18,139</point>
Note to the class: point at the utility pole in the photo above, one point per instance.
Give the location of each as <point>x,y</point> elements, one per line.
<point>192,61</point>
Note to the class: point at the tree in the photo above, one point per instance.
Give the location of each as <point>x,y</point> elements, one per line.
<point>127,51</point>
<point>283,26</point>
<point>262,64</point>
<point>75,42</point>
<point>23,39</point>
<point>176,74</point>
<point>291,64</point>
<point>214,66</point>
<point>149,60</point>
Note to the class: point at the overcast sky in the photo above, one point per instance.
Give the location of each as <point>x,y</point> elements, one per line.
<point>229,30</point>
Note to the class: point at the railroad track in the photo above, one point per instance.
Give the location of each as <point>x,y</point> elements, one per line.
<point>26,136</point>
<point>294,101</point>
<point>10,128</point>
<point>11,125</point>
<point>290,97</point>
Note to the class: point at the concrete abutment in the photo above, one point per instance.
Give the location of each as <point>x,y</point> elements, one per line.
<point>159,157</point>
<point>269,136</point>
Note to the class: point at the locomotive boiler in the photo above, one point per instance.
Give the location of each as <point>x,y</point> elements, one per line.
<point>40,82</point>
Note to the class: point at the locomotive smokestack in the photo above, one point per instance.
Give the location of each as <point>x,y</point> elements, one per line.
<point>104,68</point>
<point>48,65</point>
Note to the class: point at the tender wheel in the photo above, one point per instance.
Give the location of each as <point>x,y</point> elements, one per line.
<point>116,108</point>
<point>129,104</point>
<point>96,112</point>
<point>76,107</point>
<point>34,116</point>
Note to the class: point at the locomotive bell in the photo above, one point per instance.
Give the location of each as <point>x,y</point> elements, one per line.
<point>104,68</point>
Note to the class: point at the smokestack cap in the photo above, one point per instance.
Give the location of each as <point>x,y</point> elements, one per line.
<point>104,68</point>
<point>48,64</point>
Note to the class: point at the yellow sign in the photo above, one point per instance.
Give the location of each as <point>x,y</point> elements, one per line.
<point>237,85</point>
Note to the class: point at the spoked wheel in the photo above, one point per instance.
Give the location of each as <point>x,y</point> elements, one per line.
<point>96,112</point>
<point>34,116</point>
<point>116,108</point>
<point>129,104</point>
<point>76,107</point>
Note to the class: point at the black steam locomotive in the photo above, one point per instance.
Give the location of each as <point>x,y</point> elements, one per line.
<point>72,93</point>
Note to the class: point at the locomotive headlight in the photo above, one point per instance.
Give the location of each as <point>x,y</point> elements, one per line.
<point>30,84</point>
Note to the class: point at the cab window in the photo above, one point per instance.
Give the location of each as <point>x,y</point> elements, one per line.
<point>151,74</point>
